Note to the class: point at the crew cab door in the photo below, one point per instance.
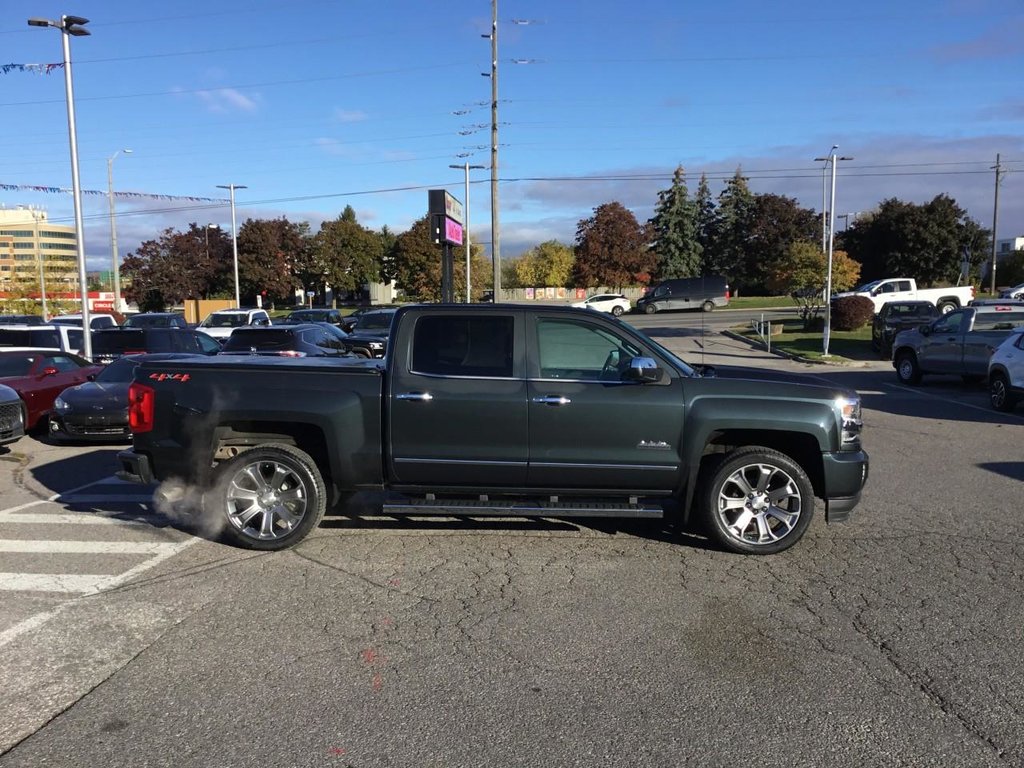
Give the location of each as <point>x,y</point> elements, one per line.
<point>590,429</point>
<point>942,350</point>
<point>457,399</point>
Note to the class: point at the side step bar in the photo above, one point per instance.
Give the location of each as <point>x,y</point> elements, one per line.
<point>553,507</point>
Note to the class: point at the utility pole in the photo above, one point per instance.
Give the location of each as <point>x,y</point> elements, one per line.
<point>495,232</point>
<point>995,220</point>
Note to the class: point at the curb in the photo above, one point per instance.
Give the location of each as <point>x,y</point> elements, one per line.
<point>844,362</point>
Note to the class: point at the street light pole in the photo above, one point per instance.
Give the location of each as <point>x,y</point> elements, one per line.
<point>831,245</point>
<point>467,166</point>
<point>42,276</point>
<point>234,235</point>
<point>116,278</point>
<point>73,26</point>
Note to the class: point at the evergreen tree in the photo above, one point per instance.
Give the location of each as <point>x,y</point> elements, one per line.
<point>732,231</point>
<point>674,231</point>
<point>705,213</point>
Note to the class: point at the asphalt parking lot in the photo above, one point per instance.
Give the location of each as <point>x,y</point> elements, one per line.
<point>890,640</point>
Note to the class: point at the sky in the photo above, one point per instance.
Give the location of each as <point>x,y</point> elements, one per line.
<point>314,106</point>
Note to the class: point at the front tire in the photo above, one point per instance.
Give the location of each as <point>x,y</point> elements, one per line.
<point>907,369</point>
<point>269,497</point>
<point>757,501</point>
<point>650,309</point>
<point>999,393</point>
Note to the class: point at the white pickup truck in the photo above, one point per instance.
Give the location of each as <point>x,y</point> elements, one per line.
<point>905,288</point>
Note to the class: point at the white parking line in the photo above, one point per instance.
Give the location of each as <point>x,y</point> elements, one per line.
<point>82,518</point>
<point>50,582</point>
<point>87,547</point>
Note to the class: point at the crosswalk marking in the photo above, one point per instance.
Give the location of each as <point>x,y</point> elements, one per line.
<point>87,547</point>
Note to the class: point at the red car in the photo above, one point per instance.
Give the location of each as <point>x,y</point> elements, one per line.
<point>39,375</point>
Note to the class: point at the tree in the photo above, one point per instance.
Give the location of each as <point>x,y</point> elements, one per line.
<point>612,249</point>
<point>674,231</point>
<point>172,268</point>
<point>803,271</point>
<point>417,263</point>
<point>349,254</point>
<point>550,263</point>
<point>732,231</point>
<point>777,222</point>
<point>926,242</point>
<point>705,219</point>
<point>267,251</point>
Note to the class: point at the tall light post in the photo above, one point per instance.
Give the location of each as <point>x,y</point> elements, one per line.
<point>113,229</point>
<point>39,254</point>
<point>467,166</point>
<point>234,235</point>
<point>831,159</point>
<point>72,26</point>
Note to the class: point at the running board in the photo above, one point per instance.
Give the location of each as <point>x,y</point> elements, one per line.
<point>553,507</point>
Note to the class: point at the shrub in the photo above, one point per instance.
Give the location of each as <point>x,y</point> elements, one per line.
<point>852,312</point>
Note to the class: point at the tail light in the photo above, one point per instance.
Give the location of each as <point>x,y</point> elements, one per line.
<point>140,407</point>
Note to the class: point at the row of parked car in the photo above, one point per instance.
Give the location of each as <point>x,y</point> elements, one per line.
<point>45,384</point>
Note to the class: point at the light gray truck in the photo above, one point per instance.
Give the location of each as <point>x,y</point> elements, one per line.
<point>958,343</point>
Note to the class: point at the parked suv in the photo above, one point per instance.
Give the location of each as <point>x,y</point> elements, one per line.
<point>96,321</point>
<point>221,323</point>
<point>897,316</point>
<point>113,343</point>
<point>315,315</point>
<point>369,337</point>
<point>67,338</point>
<point>703,293</point>
<point>1006,373</point>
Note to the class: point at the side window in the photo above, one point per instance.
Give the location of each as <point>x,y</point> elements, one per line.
<point>950,323</point>
<point>207,344</point>
<point>464,346</point>
<point>63,363</point>
<point>185,342</point>
<point>570,349</point>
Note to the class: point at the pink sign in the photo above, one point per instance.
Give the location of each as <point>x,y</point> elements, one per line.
<point>452,231</point>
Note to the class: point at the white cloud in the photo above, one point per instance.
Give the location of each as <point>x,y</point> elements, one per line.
<point>349,115</point>
<point>226,100</point>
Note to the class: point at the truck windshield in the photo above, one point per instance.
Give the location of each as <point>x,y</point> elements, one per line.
<point>867,287</point>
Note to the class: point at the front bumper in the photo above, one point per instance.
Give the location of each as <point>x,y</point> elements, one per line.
<point>87,427</point>
<point>134,467</point>
<point>845,475</point>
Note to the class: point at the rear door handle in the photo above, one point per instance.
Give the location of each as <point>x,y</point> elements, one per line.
<point>419,397</point>
<point>552,400</point>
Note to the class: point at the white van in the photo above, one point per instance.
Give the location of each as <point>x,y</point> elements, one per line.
<point>66,338</point>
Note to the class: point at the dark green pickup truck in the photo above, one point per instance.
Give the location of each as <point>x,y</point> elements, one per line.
<point>501,410</point>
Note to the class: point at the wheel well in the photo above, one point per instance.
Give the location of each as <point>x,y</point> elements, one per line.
<point>799,446</point>
<point>232,438</point>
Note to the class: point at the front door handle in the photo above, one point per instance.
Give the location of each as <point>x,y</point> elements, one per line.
<point>419,397</point>
<point>552,400</point>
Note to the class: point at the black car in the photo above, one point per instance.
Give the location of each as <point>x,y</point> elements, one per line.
<point>98,409</point>
<point>369,336</point>
<point>301,340</point>
<point>156,320</point>
<point>21,320</point>
<point>315,315</point>
<point>12,416</point>
<point>896,316</point>
<point>112,343</point>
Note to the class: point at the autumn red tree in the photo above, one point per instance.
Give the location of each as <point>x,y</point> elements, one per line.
<point>612,249</point>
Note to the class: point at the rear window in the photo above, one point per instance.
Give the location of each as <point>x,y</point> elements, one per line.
<point>1002,320</point>
<point>44,337</point>
<point>375,320</point>
<point>245,339</point>
<point>127,340</point>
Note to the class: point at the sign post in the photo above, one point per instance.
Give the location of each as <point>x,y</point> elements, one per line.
<point>446,230</point>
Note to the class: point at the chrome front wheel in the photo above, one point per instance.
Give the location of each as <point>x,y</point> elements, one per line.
<point>758,501</point>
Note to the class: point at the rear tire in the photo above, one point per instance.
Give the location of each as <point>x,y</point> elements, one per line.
<point>757,501</point>
<point>707,306</point>
<point>999,393</point>
<point>269,497</point>
<point>945,307</point>
<point>617,310</point>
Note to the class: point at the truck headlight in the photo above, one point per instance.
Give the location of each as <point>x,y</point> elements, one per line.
<point>853,423</point>
<point>60,405</point>
<point>376,345</point>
